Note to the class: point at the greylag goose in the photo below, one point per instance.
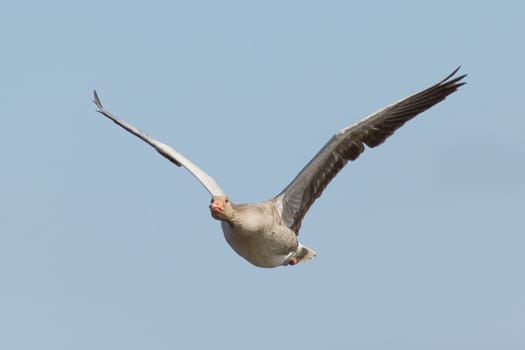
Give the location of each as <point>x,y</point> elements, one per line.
<point>265,233</point>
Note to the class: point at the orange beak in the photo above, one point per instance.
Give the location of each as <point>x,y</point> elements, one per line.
<point>216,207</point>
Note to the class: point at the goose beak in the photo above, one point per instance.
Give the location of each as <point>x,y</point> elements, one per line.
<point>216,207</point>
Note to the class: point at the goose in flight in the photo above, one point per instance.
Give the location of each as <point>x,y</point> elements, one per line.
<point>265,233</point>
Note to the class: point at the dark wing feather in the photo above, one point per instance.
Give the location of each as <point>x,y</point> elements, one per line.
<point>295,200</point>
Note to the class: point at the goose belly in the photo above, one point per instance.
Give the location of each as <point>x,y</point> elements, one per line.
<point>272,248</point>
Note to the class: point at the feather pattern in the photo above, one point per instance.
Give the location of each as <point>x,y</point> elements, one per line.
<point>347,144</point>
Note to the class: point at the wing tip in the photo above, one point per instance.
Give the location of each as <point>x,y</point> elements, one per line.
<point>96,101</point>
<point>456,81</point>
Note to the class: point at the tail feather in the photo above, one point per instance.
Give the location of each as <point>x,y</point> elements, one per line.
<point>304,254</point>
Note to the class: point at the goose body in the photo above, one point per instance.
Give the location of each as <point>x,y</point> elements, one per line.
<point>265,233</point>
<point>257,234</point>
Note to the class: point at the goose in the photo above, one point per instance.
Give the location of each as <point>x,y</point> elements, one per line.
<point>265,233</point>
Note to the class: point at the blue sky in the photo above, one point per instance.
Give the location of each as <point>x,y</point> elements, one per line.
<point>106,245</point>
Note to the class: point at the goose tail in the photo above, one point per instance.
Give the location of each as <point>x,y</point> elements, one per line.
<point>302,254</point>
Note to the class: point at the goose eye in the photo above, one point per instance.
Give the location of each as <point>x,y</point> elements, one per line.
<point>227,200</point>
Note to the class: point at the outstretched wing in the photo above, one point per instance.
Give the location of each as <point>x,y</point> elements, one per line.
<point>165,150</point>
<point>347,144</point>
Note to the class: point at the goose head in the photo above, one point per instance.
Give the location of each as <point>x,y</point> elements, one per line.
<point>221,208</point>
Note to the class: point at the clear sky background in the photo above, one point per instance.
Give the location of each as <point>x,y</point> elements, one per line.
<point>106,245</point>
